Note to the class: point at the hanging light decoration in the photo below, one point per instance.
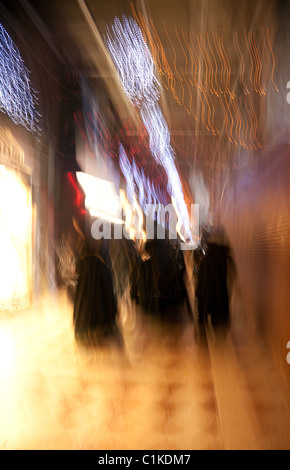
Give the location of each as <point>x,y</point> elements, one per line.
<point>18,98</point>
<point>135,66</point>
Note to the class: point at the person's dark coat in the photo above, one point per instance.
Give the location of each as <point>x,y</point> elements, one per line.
<point>95,306</point>
<point>212,287</point>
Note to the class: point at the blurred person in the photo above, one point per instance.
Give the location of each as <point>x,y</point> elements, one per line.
<point>68,248</point>
<point>214,283</point>
<point>95,308</point>
<point>125,263</point>
<point>163,292</point>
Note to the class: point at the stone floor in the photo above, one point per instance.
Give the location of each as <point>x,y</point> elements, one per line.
<point>159,390</point>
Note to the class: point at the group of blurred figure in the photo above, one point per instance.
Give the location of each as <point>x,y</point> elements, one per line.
<point>154,277</point>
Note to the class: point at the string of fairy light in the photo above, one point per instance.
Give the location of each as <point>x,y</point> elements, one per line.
<point>18,98</point>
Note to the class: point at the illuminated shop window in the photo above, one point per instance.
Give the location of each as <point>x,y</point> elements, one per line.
<point>15,240</point>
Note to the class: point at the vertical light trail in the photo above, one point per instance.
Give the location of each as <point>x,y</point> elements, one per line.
<point>259,87</point>
<point>251,57</point>
<point>217,90</point>
<point>242,63</point>
<point>228,69</point>
<point>135,67</point>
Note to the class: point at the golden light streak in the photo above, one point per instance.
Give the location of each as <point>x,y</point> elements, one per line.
<point>209,114</point>
<point>218,49</point>
<point>172,85</point>
<point>253,52</point>
<point>205,87</point>
<point>179,221</point>
<point>128,214</point>
<point>140,219</point>
<point>242,63</point>
<point>216,70</point>
<point>228,69</point>
<point>260,89</point>
<point>185,75</point>
<point>273,59</point>
<point>251,57</point>
<point>202,114</point>
<point>209,65</point>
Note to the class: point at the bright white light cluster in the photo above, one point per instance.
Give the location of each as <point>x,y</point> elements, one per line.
<point>17,96</point>
<point>150,198</point>
<point>133,61</point>
<point>159,134</point>
<point>135,67</point>
<point>101,197</point>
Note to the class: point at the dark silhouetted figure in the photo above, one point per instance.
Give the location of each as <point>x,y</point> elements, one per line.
<point>215,276</point>
<point>161,290</point>
<point>95,307</point>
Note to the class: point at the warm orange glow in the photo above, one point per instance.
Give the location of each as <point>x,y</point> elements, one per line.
<point>15,240</point>
<point>7,354</point>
